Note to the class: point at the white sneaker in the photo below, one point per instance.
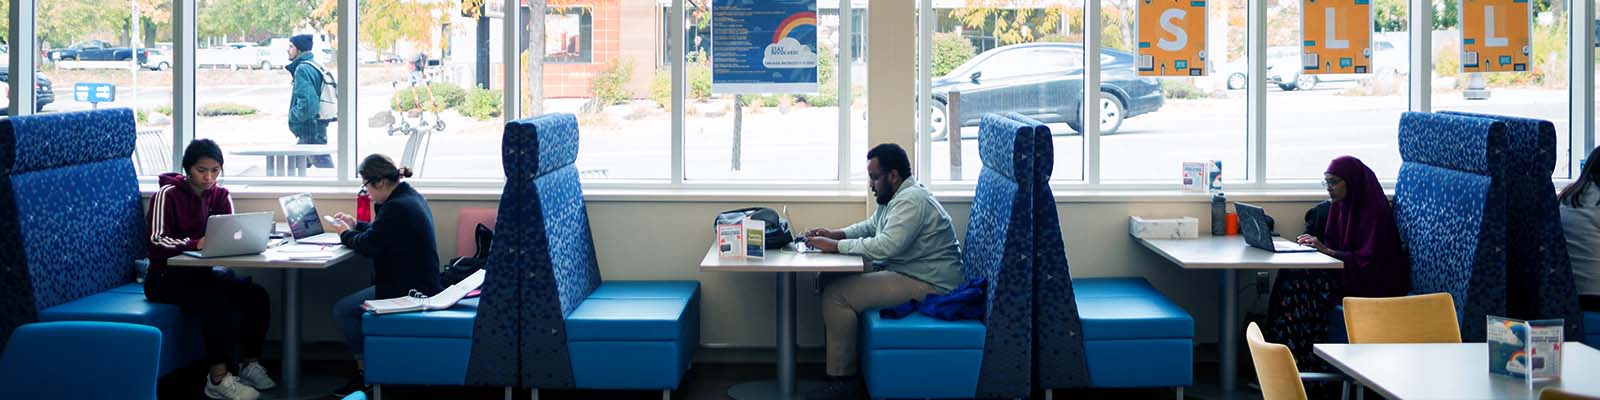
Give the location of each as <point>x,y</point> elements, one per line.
<point>230,389</point>
<point>254,375</point>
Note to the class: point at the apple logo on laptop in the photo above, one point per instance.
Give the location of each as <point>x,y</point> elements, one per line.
<point>238,235</point>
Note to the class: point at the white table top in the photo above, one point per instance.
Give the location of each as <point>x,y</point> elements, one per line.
<point>1231,252</point>
<point>1454,370</point>
<point>784,261</point>
<point>269,259</point>
<point>287,150</point>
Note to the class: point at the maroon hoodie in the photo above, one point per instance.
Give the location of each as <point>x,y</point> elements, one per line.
<point>178,217</point>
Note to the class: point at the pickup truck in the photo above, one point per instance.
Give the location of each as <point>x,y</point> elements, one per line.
<point>96,50</point>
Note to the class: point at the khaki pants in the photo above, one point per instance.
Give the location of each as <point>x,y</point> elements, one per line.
<point>843,300</point>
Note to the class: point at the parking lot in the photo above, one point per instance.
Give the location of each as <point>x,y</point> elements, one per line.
<point>1305,130</point>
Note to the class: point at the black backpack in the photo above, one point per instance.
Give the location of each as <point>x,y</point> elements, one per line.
<point>462,267</point>
<point>777,228</point>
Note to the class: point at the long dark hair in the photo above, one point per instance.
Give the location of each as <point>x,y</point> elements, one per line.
<point>1591,174</point>
<point>377,168</point>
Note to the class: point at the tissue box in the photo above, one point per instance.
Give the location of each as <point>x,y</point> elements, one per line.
<point>1171,228</point>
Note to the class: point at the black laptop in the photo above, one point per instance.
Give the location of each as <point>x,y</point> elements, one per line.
<point>1253,225</point>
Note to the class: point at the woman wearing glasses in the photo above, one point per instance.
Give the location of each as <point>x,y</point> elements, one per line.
<point>399,240</point>
<point>1356,225</point>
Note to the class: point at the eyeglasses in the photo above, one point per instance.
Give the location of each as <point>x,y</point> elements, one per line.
<point>1331,182</point>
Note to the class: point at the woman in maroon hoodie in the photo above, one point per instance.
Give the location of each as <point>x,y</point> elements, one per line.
<point>235,310</point>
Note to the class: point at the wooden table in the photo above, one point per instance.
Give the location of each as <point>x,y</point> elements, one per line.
<point>290,159</point>
<point>1454,370</point>
<point>1228,255</point>
<point>786,263</point>
<point>291,294</point>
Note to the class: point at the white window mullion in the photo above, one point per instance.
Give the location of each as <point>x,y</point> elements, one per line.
<point>924,147</point>
<point>1581,89</point>
<point>185,16</point>
<point>510,57</point>
<point>842,70</point>
<point>1421,73</point>
<point>1092,25</point>
<point>347,76</point>
<point>677,54</point>
<point>1256,95</point>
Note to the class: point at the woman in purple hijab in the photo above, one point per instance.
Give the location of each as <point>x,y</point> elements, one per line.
<point>1361,232</point>
<point>1356,226</point>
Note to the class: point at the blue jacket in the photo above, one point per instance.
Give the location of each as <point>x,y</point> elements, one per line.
<point>305,100</point>
<point>965,302</point>
<point>401,244</point>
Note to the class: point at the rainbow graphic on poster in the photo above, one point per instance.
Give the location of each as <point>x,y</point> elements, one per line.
<point>764,46</point>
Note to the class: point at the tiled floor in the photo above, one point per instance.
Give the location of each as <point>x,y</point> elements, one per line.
<point>705,381</point>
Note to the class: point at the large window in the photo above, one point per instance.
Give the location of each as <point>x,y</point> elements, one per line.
<point>244,87</point>
<point>117,53</point>
<point>763,136</point>
<point>1151,126</point>
<point>1025,58</point>
<point>601,62</point>
<point>1540,92</point>
<point>1313,118</point>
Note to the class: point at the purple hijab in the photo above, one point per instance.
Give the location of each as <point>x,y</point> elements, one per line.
<point>1361,231</point>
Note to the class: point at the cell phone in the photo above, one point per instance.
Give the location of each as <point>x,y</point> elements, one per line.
<point>332,220</point>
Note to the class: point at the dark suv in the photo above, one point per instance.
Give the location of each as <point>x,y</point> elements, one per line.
<point>1044,81</point>
<point>42,92</point>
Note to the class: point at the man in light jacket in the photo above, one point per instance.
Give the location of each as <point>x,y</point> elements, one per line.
<point>914,251</point>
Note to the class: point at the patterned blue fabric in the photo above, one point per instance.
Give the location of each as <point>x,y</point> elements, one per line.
<point>1451,219</point>
<point>1539,282</point>
<point>1059,359</point>
<point>999,248</point>
<point>98,216</point>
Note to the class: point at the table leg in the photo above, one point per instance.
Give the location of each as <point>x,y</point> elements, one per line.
<point>785,387</point>
<point>291,329</point>
<point>272,165</point>
<point>297,166</point>
<point>1227,334</point>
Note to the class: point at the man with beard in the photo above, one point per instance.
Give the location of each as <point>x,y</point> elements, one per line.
<point>914,252</point>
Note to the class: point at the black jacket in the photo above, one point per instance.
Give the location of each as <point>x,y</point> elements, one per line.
<point>400,242</point>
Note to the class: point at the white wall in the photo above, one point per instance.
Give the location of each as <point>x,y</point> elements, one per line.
<point>666,239</point>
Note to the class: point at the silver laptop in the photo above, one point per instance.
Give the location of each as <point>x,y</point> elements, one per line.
<point>305,225</point>
<point>235,234</point>
<point>1253,225</point>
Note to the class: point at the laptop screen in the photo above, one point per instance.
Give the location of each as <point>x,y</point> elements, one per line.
<point>302,215</point>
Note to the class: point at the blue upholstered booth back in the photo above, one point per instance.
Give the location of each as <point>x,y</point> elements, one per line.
<point>70,219</point>
<point>998,245</point>
<point>1058,358</point>
<point>1539,281</point>
<point>1452,221</point>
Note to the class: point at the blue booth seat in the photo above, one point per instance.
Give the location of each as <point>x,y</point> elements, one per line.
<point>921,357</point>
<point>1591,322</point>
<point>48,360</point>
<point>546,320</point>
<point>100,218</point>
<point>1133,336</point>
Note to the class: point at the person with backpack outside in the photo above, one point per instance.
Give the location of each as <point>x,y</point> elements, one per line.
<point>305,100</point>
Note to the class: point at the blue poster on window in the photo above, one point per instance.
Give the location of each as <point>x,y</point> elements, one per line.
<point>764,46</point>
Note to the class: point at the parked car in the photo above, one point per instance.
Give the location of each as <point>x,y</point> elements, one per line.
<point>1284,66</point>
<point>232,55</point>
<point>96,50</point>
<point>42,93</point>
<point>158,59</point>
<point>1043,81</point>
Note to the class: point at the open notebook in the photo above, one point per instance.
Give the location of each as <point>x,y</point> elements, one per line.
<point>445,299</point>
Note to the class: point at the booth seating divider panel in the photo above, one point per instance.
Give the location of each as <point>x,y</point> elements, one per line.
<point>66,250</point>
<point>999,247</point>
<point>1539,283</point>
<point>1450,219</point>
<point>1058,357</point>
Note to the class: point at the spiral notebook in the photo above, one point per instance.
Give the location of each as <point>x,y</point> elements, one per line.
<point>417,302</point>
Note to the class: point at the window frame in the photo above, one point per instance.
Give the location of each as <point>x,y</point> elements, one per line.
<point>24,56</point>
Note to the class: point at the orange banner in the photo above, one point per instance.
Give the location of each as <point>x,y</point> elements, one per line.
<point>1495,35</point>
<point>1337,37</point>
<point>1171,37</point>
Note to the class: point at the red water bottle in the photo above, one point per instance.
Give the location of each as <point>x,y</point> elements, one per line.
<point>363,206</point>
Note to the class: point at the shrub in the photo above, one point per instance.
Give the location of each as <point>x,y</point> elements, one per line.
<point>140,116</point>
<point>1447,62</point>
<point>661,89</point>
<point>1181,88</point>
<point>699,81</point>
<point>165,110</point>
<point>444,96</point>
<point>220,109</point>
<point>950,49</point>
<point>608,86</point>
<point>481,104</point>
<point>770,100</point>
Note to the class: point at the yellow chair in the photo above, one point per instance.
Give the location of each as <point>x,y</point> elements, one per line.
<point>1558,394</point>
<point>1427,318</point>
<point>1275,369</point>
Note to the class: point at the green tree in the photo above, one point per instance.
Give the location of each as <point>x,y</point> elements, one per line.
<point>1389,16</point>
<point>254,19</point>
<point>64,22</point>
<point>1011,21</point>
<point>949,51</point>
<point>385,22</point>
<point>1447,15</point>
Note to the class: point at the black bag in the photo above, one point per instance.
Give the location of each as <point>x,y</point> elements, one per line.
<point>462,267</point>
<point>777,228</point>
